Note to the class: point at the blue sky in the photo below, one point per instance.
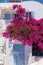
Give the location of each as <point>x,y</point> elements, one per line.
<point>41,1</point>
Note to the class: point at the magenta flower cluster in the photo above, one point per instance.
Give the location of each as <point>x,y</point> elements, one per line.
<point>25,30</point>
<point>20,12</point>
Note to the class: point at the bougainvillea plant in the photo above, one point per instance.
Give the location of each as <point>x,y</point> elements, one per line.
<point>25,30</point>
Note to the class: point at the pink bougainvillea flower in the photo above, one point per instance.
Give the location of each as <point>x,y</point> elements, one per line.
<point>40,45</point>
<point>30,42</point>
<point>20,12</point>
<point>15,6</point>
<point>32,20</point>
<point>25,30</point>
<point>5,34</point>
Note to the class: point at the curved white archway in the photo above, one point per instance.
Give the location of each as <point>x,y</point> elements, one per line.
<point>34,6</point>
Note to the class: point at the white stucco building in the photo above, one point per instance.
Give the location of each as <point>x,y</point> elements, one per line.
<point>37,8</point>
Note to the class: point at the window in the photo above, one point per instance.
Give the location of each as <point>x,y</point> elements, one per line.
<point>9,16</point>
<point>13,16</point>
<point>28,14</point>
